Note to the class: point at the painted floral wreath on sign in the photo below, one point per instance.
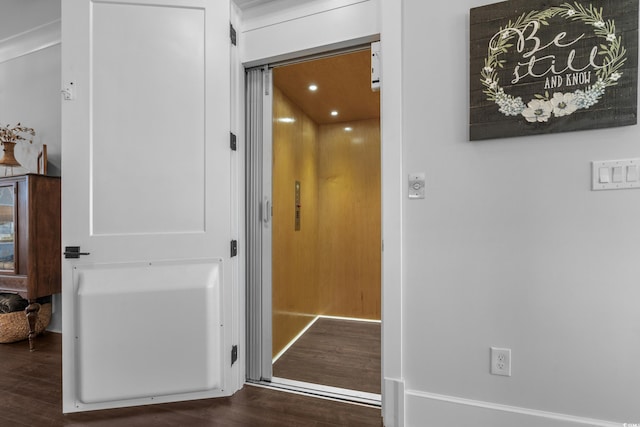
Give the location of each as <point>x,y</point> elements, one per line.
<point>543,106</point>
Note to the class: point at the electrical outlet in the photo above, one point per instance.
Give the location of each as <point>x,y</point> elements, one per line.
<point>501,361</point>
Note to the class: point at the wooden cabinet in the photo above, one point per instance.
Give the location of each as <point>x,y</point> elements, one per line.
<point>30,246</point>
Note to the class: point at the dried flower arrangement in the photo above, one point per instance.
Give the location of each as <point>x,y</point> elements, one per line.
<point>9,137</point>
<point>15,133</point>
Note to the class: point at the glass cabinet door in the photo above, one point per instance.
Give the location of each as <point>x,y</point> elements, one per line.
<point>7,228</point>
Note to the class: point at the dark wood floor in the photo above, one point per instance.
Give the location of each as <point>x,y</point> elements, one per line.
<point>335,352</point>
<point>31,395</point>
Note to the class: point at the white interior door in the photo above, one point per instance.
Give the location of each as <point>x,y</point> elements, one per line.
<point>148,312</point>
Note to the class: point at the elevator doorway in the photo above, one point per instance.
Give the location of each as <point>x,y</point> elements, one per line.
<point>320,215</point>
<point>326,223</point>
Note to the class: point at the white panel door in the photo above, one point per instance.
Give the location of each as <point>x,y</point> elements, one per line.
<point>148,312</point>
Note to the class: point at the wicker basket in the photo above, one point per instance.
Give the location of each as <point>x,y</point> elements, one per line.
<point>15,327</point>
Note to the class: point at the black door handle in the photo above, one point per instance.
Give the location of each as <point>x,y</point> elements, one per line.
<point>74,252</point>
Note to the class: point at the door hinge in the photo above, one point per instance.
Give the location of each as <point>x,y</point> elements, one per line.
<point>232,140</point>
<point>234,248</point>
<point>232,34</point>
<point>234,354</point>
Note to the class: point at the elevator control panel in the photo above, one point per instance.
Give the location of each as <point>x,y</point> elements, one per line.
<point>297,207</point>
<point>416,185</point>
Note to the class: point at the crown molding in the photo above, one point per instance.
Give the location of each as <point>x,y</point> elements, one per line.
<point>30,41</point>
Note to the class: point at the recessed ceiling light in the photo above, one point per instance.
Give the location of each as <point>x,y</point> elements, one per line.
<point>348,129</point>
<point>286,120</point>
<point>313,88</point>
<point>334,113</point>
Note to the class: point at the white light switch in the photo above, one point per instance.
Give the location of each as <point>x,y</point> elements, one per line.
<point>615,174</point>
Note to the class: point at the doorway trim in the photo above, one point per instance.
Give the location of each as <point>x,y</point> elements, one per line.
<point>265,37</point>
<point>393,178</point>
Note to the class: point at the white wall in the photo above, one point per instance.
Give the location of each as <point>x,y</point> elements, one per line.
<point>30,94</point>
<point>287,29</point>
<point>18,16</point>
<point>30,82</point>
<point>510,248</point>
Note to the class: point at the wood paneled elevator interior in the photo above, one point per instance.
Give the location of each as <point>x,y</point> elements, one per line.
<point>326,193</point>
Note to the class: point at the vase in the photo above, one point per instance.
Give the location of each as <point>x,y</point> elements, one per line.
<point>8,158</point>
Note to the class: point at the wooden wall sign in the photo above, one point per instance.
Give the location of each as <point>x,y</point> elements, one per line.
<point>543,66</point>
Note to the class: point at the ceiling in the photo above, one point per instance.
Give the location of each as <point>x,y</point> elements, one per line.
<point>344,85</point>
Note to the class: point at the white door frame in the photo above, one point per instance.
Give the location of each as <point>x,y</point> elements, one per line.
<point>266,37</point>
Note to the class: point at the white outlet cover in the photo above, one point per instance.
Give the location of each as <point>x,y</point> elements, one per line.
<point>501,361</point>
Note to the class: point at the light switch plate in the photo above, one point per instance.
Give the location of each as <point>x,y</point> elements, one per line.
<point>615,174</point>
<point>416,185</point>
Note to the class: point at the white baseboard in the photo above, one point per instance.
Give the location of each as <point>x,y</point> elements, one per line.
<point>424,409</point>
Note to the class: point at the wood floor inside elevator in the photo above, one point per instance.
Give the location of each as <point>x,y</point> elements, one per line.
<point>337,353</point>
